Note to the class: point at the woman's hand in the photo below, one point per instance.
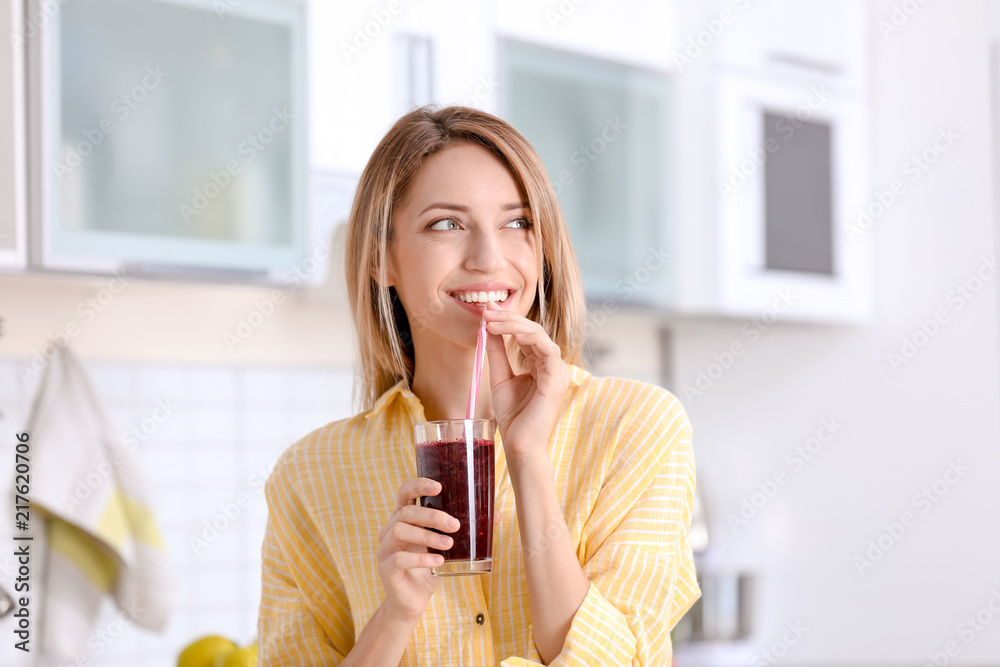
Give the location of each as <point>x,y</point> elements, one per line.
<point>403,560</point>
<point>527,405</point>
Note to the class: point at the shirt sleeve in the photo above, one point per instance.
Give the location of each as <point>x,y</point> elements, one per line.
<point>304,617</point>
<point>637,555</point>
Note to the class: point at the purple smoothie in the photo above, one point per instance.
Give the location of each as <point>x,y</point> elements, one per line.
<point>448,463</point>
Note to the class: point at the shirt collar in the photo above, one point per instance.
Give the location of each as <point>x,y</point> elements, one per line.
<point>401,391</point>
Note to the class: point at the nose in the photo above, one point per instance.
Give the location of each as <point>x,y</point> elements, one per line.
<point>485,252</point>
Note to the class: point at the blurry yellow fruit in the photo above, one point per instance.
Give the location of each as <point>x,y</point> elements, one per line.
<point>204,651</point>
<point>241,657</point>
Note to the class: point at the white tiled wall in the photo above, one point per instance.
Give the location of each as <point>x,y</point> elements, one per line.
<point>227,426</point>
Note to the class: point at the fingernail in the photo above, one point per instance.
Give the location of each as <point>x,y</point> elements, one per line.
<point>453,523</point>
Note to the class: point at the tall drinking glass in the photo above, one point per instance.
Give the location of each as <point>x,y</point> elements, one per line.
<point>458,453</point>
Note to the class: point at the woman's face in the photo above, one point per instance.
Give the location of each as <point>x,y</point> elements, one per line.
<point>463,228</point>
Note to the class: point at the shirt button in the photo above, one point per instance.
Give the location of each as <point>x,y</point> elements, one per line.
<point>480,619</point>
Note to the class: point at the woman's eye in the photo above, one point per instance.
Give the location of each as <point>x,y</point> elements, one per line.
<point>524,222</point>
<point>436,224</point>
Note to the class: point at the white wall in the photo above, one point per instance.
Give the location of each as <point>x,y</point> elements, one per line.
<point>900,430</point>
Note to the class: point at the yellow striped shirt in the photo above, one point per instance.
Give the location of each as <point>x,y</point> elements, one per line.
<point>625,474</point>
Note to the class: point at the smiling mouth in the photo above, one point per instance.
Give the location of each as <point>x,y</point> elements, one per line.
<point>480,298</point>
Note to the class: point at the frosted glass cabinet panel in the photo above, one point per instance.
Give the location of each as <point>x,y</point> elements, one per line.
<point>173,133</point>
<point>12,200</point>
<point>602,131</point>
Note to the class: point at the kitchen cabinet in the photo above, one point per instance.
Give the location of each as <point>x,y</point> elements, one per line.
<point>13,239</point>
<point>716,193</point>
<point>177,146</point>
<point>657,145</point>
<point>363,72</point>
<point>770,161</point>
<point>603,132</point>
<point>791,175</point>
<point>783,37</point>
<point>631,32</point>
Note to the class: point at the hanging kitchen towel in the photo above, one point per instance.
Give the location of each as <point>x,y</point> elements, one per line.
<point>102,536</point>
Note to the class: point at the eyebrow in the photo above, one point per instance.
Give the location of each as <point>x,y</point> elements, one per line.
<point>465,209</point>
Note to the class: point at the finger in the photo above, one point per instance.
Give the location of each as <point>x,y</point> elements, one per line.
<point>496,517</point>
<point>494,313</point>
<point>538,344</point>
<point>408,560</point>
<point>403,535</point>
<point>408,492</point>
<point>423,517</point>
<point>496,356</point>
<point>513,326</point>
<point>427,517</point>
<point>413,489</point>
<point>525,333</point>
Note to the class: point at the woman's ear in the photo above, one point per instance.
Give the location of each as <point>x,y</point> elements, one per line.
<point>389,270</point>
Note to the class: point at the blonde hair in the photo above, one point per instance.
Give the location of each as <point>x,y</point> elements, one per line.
<point>382,326</point>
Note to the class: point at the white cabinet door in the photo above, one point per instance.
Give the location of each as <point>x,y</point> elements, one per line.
<point>635,32</point>
<point>363,69</point>
<point>463,62</point>
<point>817,36</point>
<point>12,176</point>
<point>350,65</point>
<point>792,173</point>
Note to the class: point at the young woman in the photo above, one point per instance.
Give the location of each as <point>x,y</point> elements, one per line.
<point>455,220</point>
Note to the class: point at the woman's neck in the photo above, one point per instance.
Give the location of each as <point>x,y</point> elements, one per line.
<point>441,380</point>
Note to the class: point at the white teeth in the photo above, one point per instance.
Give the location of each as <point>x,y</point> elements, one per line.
<point>483,297</point>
